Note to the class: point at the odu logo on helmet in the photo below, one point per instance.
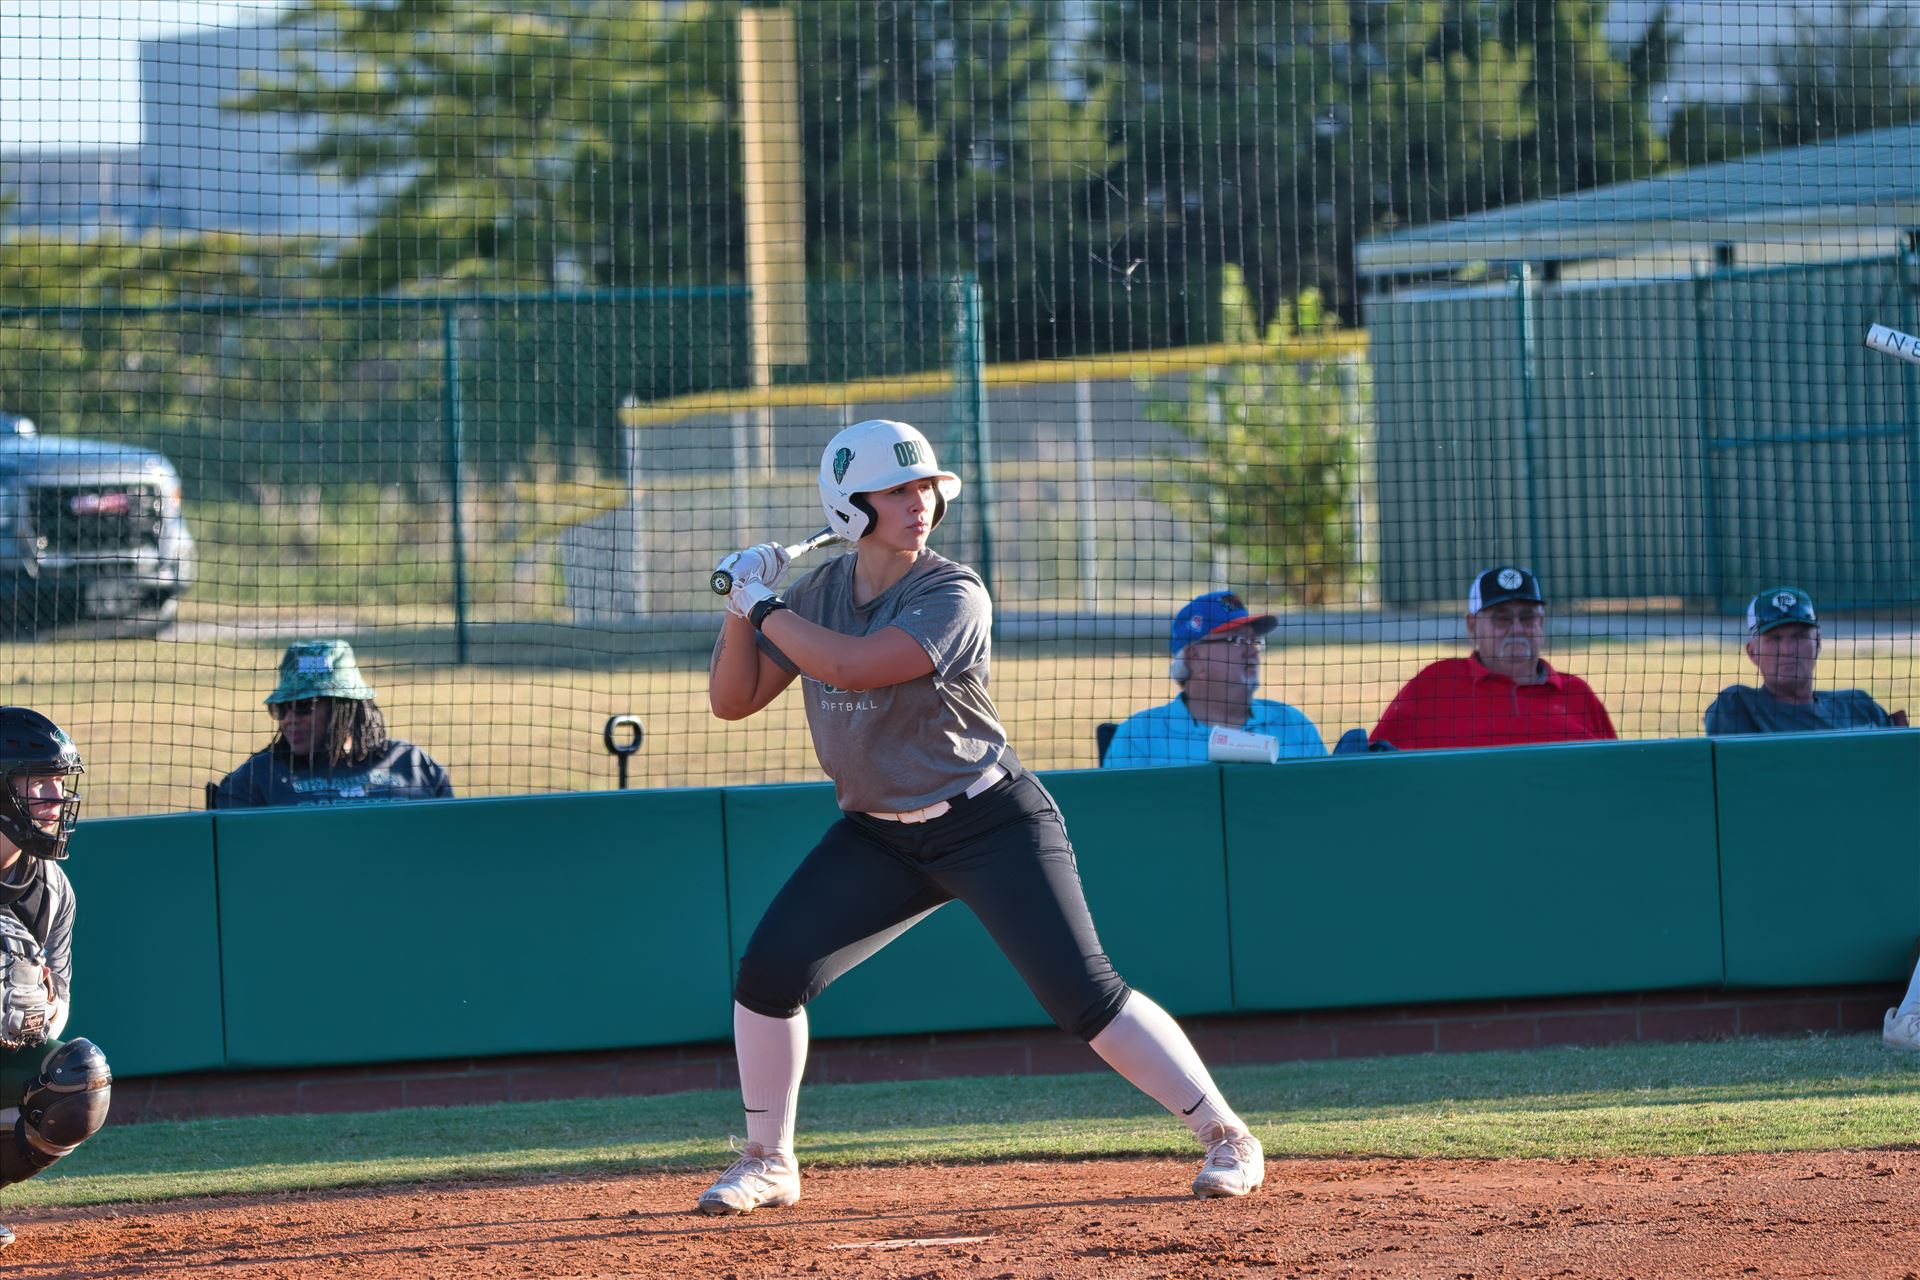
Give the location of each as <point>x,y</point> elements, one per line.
<point>1509,579</point>
<point>1784,601</point>
<point>876,456</point>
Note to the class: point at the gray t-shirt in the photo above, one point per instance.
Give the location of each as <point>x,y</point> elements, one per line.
<point>1742,708</point>
<point>913,744</point>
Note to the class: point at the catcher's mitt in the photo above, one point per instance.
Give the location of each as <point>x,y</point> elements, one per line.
<point>26,995</point>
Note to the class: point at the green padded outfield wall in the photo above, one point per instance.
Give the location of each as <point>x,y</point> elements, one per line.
<point>530,924</point>
<point>146,943</point>
<point>1819,857</point>
<point>1355,880</point>
<point>1154,876</point>
<point>1459,875</point>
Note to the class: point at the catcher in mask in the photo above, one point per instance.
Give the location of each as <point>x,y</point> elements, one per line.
<point>331,744</point>
<point>53,1092</point>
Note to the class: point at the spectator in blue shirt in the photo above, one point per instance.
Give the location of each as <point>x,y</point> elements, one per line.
<point>1783,642</point>
<point>1216,646</point>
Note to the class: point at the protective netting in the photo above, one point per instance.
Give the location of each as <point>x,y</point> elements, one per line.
<point>475,332</point>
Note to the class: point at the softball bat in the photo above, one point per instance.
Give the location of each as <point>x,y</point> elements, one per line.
<point>1892,342</point>
<point>722,581</point>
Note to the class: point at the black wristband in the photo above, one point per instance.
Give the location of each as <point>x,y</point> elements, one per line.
<point>758,614</point>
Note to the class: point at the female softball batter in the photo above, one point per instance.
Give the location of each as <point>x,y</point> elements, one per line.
<point>891,647</point>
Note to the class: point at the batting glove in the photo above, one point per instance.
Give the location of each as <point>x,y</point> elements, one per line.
<point>746,593</point>
<point>762,562</point>
<point>736,604</point>
<point>753,601</point>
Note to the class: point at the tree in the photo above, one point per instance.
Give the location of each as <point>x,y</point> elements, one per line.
<point>1229,113</point>
<point>232,397</point>
<point>1096,166</point>
<point>1850,67</point>
<point>1276,136</point>
<point>576,142</point>
<point>596,140</point>
<point>1273,479</point>
<point>944,138</point>
<point>1590,104</point>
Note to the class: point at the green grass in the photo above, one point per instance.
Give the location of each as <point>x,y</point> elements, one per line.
<point>1722,1097</point>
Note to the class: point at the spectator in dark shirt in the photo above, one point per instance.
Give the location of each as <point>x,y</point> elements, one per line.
<point>332,745</point>
<point>1783,642</point>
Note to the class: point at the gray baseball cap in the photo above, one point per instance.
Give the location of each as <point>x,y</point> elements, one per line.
<point>319,669</point>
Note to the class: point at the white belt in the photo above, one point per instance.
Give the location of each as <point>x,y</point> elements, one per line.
<point>933,811</point>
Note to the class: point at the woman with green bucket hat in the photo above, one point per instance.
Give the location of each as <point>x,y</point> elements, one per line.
<point>331,746</point>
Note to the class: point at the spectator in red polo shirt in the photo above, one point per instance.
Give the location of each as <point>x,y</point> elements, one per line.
<point>1504,694</point>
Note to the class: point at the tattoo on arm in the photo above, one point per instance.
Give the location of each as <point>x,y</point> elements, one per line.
<point>719,647</point>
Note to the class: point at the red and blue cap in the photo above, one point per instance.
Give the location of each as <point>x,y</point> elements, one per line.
<point>1213,613</point>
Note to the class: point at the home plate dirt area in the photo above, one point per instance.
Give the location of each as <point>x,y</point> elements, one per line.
<point>1845,1213</point>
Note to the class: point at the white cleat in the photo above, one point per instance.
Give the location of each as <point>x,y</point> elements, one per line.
<point>759,1179</point>
<point>1901,1031</point>
<point>1235,1164</point>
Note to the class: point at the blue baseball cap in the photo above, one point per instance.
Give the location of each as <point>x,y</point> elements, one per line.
<point>1213,613</point>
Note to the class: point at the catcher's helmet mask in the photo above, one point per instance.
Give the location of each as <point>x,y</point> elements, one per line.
<point>32,746</point>
<point>872,457</point>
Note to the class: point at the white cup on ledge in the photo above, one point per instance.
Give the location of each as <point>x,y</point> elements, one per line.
<point>1236,746</point>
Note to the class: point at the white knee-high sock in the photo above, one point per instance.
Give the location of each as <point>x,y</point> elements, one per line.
<point>772,1053</point>
<point>1147,1046</point>
<point>1912,1002</point>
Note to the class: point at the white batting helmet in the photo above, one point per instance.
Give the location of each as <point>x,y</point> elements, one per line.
<point>869,457</point>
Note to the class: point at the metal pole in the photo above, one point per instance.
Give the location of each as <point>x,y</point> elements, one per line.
<point>970,407</point>
<point>742,452</point>
<point>1907,266</point>
<point>1529,422</point>
<point>1706,375</point>
<point>1350,369</point>
<point>622,735</point>
<point>629,544</point>
<point>1217,559</point>
<point>1083,479</point>
<point>456,459</point>
<point>774,197</point>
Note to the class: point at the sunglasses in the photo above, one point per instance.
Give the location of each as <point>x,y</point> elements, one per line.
<point>1243,642</point>
<point>298,707</point>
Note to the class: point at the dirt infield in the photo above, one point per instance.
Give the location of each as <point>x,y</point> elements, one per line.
<point>1826,1214</point>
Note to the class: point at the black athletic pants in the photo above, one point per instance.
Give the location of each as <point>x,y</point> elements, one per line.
<point>1003,853</point>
